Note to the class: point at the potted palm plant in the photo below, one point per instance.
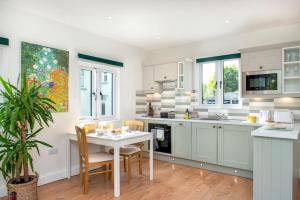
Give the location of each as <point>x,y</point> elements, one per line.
<point>23,114</point>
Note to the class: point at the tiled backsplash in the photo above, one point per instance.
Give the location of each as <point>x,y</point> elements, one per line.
<point>171,99</point>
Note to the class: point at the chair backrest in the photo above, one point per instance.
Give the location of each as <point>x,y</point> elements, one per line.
<point>134,125</point>
<point>82,143</point>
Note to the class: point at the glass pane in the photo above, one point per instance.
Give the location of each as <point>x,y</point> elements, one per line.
<point>107,94</point>
<point>292,70</point>
<point>180,68</point>
<point>86,92</point>
<point>180,82</point>
<point>231,92</point>
<point>292,55</point>
<point>209,83</point>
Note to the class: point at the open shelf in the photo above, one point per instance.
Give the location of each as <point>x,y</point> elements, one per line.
<point>292,62</point>
<point>292,77</point>
<point>291,70</point>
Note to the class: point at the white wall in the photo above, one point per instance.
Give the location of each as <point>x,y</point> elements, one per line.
<point>20,26</point>
<point>225,45</point>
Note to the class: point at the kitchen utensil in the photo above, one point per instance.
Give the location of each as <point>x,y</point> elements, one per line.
<point>265,116</point>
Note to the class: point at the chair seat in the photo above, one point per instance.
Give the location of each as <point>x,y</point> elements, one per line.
<point>100,157</point>
<point>127,150</point>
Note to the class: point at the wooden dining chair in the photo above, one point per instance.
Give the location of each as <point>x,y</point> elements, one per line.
<point>130,151</point>
<point>88,161</point>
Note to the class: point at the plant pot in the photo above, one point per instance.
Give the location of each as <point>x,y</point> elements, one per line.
<point>24,191</point>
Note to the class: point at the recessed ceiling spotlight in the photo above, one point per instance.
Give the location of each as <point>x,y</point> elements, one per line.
<point>109,17</point>
<point>158,38</point>
<point>227,21</point>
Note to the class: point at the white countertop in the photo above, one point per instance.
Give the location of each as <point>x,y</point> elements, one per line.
<point>280,134</point>
<point>228,121</point>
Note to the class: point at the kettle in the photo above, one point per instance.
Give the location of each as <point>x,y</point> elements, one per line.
<point>265,116</point>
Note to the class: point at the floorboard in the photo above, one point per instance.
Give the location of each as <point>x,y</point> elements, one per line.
<point>172,182</point>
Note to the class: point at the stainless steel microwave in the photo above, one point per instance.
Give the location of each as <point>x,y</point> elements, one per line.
<point>262,82</point>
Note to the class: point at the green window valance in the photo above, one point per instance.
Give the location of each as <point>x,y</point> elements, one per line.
<point>4,41</point>
<point>222,57</point>
<point>101,60</point>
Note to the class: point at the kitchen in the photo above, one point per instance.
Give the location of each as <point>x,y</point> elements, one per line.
<point>200,102</point>
<point>221,138</point>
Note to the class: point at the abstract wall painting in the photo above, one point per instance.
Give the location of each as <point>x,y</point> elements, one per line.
<point>48,67</point>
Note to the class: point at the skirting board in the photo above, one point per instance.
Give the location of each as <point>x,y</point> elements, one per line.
<point>46,178</point>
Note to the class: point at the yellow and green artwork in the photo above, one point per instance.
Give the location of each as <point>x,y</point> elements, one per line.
<point>49,68</point>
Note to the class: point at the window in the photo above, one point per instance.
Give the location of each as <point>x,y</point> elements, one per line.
<point>219,83</point>
<point>98,92</point>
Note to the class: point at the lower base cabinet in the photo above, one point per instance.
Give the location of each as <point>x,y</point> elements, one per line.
<point>204,142</point>
<point>235,146</point>
<point>182,140</point>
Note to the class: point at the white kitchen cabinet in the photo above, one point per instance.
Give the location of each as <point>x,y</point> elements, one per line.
<point>165,72</point>
<point>291,70</point>
<point>185,75</point>
<point>148,79</point>
<point>257,60</point>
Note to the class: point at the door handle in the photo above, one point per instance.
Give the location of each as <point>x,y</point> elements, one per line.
<point>220,127</point>
<point>214,126</point>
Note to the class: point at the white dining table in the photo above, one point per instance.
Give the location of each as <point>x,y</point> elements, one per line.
<point>115,141</point>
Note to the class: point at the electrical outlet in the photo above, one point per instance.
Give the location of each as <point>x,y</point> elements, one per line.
<point>53,151</point>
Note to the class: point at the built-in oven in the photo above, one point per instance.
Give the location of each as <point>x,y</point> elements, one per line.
<point>262,82</point>
<point>161,137</point>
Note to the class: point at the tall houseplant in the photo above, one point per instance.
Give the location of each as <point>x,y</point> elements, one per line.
<point>23,114</point>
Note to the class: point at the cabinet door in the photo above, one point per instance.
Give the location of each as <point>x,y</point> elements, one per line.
<point>261,60</point>
<point>182,139</point>
<point>204,142</point>
<point>165,72</point>
<point>235,146</point>
<point>148,78</point>
<point>188,76</point>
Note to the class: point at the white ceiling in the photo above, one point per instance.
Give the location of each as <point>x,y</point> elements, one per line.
<point>154,24</point>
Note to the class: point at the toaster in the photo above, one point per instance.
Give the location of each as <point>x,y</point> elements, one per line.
<point>281,116</point>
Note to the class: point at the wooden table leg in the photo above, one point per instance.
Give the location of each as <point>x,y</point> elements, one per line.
<point>116,170</point>
<point>151,159</point>
<point>68,159</point>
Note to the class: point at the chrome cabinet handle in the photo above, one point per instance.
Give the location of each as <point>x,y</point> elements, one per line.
<point>220,127</point>
<point>214,126</point>
<point>180,124</point>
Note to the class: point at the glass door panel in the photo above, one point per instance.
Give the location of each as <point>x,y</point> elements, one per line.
<point>209,85</point>
<point>231,90</point>
<point>292,55</point>
<point>86,92</point>
<point>106,93</point>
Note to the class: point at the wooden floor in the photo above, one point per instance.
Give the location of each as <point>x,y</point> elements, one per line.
<point>172,182</point>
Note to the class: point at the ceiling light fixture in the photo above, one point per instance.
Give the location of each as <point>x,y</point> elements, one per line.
<point>227,21</point>
<point>158,38</point>
<point>109,17</point>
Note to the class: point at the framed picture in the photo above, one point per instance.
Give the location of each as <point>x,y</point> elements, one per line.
<point>48,67</point>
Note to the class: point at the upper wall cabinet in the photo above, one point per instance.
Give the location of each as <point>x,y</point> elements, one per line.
<point>256,60</point>
<point>149,85</point>
<point>291,70</point>
<point>165,72</point>
<point>185,75</point>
